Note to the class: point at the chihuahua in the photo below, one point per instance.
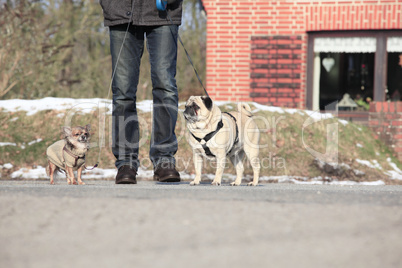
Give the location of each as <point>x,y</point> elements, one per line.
<point>68,154</point>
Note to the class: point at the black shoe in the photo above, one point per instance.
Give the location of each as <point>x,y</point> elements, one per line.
<point>166,173</point>
<point>126,175</point>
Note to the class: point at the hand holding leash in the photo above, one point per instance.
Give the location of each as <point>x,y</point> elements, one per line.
<point>161,5</point>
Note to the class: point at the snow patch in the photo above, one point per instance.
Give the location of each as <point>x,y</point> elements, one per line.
<point>317,116</point>
<point>7,144</point>
<point>372,164</point>
<point>49,103</point>
<point>101,174</point>
<point>393,165</point>
<point>316,181</point>
<point>396,173</point>
<point>22,145</point>
<point>6,166</point>
<point>35,141</point>
<point>31,107</point>
<point>27,173</point>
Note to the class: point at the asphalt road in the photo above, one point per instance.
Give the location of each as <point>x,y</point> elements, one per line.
<point>175,225</point>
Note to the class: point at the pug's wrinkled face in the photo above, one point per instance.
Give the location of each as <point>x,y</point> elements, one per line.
<point>197,108</point>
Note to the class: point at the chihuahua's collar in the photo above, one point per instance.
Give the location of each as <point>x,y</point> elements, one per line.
<point>76,157</point>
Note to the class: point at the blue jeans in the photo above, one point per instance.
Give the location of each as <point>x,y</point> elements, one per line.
<point>162,47</point>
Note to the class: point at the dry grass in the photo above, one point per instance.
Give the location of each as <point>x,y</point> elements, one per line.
<point>284,142</point>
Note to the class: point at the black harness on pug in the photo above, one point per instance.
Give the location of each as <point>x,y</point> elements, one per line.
<point>211,134</point>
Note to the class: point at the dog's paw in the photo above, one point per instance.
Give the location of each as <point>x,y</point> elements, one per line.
<point>234,183</point>
<point>194,183</point>
<point>216,183</point>
<point>252,184</point>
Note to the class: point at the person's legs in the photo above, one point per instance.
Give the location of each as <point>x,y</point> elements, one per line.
<point>162,47</point>
<point>124,85</point>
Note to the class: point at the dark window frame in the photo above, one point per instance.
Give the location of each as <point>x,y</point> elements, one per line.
<point>380,58</point>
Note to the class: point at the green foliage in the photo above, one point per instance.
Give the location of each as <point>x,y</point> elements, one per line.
<point>60,48</point>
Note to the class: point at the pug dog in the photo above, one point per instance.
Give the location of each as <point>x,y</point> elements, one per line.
<point>217,135</point>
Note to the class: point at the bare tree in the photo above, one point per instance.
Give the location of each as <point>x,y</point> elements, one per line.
<point>60,48</point>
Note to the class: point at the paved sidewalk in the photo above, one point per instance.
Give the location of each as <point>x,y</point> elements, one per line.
<point>175,225</point>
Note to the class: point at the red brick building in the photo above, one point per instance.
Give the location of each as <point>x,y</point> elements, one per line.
<point>304,54</point>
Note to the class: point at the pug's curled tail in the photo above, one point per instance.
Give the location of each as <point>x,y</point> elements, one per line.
<point>244,108</point>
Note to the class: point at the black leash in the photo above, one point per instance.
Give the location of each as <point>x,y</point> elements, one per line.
<point>188,55</point>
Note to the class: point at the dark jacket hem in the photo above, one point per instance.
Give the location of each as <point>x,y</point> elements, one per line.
<point>147,23</point>
<point>141,12</point>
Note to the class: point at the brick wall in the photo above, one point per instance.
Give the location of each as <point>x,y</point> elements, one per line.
<point>276,70</point>
<point>354,15</point>
<point>232,25</point>
<point>385,119</point>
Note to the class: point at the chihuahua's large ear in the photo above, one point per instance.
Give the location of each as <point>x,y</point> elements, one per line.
<point>207,102</point>
<point>88,127</point>
<point>66,131</point>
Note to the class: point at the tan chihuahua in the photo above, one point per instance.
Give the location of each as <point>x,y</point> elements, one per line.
<point>68,155</point>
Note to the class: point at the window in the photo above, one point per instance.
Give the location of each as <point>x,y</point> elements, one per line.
<point>362,64</point>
